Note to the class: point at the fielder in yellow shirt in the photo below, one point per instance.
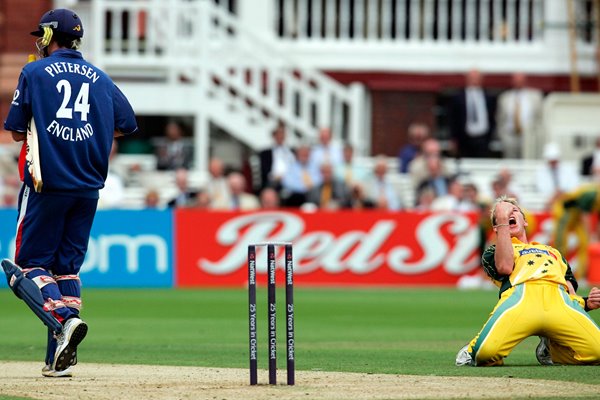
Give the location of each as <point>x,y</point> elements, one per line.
<point>572,213</point>
<point>537,298</point>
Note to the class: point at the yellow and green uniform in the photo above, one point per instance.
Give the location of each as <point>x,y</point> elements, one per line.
<point>534,301</point>
<point>568,214</point>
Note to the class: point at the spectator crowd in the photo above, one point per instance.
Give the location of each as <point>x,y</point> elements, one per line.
<point>325,175</point>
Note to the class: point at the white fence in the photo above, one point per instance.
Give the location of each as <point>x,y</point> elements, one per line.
<point>412,20</point>
<point>438,35</point>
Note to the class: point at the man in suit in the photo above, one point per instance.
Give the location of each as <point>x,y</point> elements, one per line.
<point>185,197</point>
<point>332,193</point>
<point>275,161</point>
<point>472,118</point>
<point>172,151</point>
<point>591,162</point>
<point>519,118</point>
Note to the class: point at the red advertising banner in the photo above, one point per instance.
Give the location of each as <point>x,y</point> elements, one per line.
<point>330,248</point>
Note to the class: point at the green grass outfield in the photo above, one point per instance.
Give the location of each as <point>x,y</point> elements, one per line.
<point>392,330</point>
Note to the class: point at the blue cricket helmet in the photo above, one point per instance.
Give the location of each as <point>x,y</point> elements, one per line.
<point>60,20</point>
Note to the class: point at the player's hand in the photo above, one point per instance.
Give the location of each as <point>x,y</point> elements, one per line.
<point>503,211</point>
<point>593,301</point>
<point>18,136</point>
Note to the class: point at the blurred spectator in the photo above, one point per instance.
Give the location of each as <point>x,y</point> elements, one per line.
<point>555,177</point>
<point>348,171</point>
<point>172,152</point>
<point>470,201</point>
<point>152,199</point>
<point>275,161</point>
<point>430,153</point>
<point>417,134</point>
<point>591,162</point>
<point>379,189</point>
<point>217,186</point>
<point>9,155</point>
<point>269,199</point>
<point>112,194</point>
<point>425,200</point>
<point>326,150</point>
<point>10,184</point>
<point>437,179</point>
<point>358,200</point>
<point>500,188</point>
<point>332,193</point>
<point>472,118</point>
<point>452,199</point>
<point>519,118</point>
<point>203,200</point>
<point>238,199</point>
<point>10,194</point>
<point>185,197</point>
<point>300,178</point>
<point>511,189</point>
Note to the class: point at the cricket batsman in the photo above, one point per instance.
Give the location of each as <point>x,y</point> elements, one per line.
<point>67,111</point>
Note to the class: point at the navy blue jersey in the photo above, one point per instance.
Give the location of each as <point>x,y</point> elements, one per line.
<point>76,109</point>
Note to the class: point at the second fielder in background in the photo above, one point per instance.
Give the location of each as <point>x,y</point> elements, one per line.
<point>572,213</point>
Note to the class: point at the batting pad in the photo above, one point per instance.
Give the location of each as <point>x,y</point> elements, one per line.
<point>29,292</point>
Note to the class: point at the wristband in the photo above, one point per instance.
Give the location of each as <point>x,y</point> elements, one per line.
<point>499,225</point>
<point>586,308</point>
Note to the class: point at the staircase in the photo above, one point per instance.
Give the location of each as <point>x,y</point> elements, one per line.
<point>195,57</point>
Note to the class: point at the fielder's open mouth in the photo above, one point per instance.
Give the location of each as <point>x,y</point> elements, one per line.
<point>512,221</point>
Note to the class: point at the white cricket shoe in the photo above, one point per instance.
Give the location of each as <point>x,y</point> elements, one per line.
<point>463,357</point>
<point>72,334</point>
<point>542,352</point>
<point>48,372</point>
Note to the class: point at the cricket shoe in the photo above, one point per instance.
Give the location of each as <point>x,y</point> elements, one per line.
<point>542,352</point>
<point>464,357</point>
<point>48,372</point>
<point>72,334</point>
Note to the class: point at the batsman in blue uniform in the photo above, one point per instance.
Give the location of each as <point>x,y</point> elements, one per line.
<point>67,111</point>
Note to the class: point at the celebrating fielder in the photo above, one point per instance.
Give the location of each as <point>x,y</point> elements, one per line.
<point>77,110</point>
<point>537,297</point>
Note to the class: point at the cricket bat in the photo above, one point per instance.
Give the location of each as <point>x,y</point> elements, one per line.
<point>32,155</point>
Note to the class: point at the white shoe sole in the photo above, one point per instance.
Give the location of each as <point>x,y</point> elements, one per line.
<point>66,352</point>
<point>50,373</point>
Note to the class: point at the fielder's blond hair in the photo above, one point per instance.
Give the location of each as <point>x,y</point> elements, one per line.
<point>504,199</point>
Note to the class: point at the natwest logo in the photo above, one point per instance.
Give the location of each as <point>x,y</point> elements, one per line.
<point>345,245</point>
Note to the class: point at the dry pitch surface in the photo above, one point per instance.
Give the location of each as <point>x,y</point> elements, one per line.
<point>104,381</point>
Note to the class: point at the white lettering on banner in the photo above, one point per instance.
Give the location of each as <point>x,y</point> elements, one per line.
<point>247,229</point>
<point>364,258</point>
<point>317,249</point>
<point>435,247</point>
<point>462,259</point>
<point>98,255</point>
<point>355,251</point>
